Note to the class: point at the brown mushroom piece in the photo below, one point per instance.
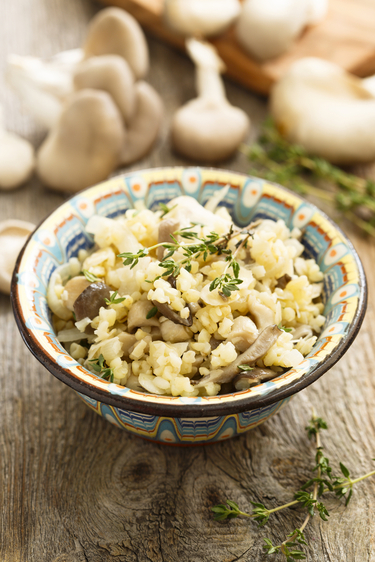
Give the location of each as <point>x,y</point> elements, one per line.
<point>73,289</point>
<point>144,125</point>
<point>245,380</point>
<point>174,333</point>
<point>166,311</point>
<point>89,302</point>
<point>137,317</point>
<point>166,228</point>
<point>243,333</point>
<point>112,74</point>
<point>114,31</point>
<point>256,351</point>
<point>283,281</point>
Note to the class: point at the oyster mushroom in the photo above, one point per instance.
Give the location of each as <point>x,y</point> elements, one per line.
<point>89,302</point>
<point>200,18</point>
<point>302,331</point>
<point>256,351</point>
<point>85,146</point>
<point>268,28</point>
<point>166,228</point>
<point>243,333</point>
<point>13,235</point>
<point>174,333</point>
<point>245,380</point>
<point>144,125</point>
<point>112,74</point>
<point>208,128</point>
<point>115,32</point>
<point>127,342</point>
<point>137,317</point>
<point>17,159</point>
<point>167,311</point>
<point>327,110</point>
<point>261,313</point>
<point>283,281</point>
<point>72,290</point>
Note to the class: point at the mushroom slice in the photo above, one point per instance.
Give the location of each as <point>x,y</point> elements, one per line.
<point>245,380</point>
<point>114,31</point>
<point>174,333</point>
<point>112,74</point>
<point>72,290</point>
<point>244,332</point>
<point>85,146</point>
<point>137,317</point>
<point>166,228</point>
<point>89,302</point>
<point>283,281</point>
<point>13,235</point>
<point>208,128</point>
<point>263,315</point>
<point>166,311</point>
<point>256,351</point>
<point>144,126</point>
<point>127,342</point>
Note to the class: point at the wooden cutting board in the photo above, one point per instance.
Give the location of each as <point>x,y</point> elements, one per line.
<point>346,37</point>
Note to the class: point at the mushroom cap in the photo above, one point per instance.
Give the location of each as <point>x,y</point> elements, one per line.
<point>145,124</point>
<point>17,160</point>
<point>85,146</point>
<point>208,130</point>
<point>114,31</point>
<point>200,17</point>
<point>13,235</point>
<point>112,74</point>
<point>326,110</point>
<point>267,28</point>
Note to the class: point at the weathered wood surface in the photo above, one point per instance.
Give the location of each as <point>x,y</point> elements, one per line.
<point>74,488</point>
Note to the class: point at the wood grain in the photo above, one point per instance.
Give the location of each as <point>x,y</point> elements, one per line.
<point>345,37</point>
<point>76,489</point>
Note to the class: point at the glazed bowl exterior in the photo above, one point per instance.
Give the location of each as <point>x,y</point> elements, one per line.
<point>177,420</point>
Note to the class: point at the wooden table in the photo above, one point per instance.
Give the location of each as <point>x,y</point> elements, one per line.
<point>74,488</point>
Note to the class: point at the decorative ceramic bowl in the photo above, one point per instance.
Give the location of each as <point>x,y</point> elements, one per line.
<point>177,420</point>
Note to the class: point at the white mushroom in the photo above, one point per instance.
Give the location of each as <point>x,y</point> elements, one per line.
<point>208,128</point>
<point>115,32</point>
<point>17,159</point>
<point>85,146</point>
<point>112,74</point>
<point>200,17</point>
<point>144,125</point>
<point>325,109</point>
<point>43,84</point>
<point>268,28</point>
<point>13,235</point>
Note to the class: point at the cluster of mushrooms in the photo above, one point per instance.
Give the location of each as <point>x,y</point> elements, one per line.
<point>99,111</point>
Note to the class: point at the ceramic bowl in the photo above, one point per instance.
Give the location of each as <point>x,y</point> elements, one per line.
<point>176,420</point>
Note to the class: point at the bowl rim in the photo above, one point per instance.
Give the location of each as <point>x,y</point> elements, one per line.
<point>185,410</point>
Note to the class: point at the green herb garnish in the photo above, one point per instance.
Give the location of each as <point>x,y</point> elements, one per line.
<point>151,313</point>
<point>245,368</point>
<point>284,328</point>
<point>114,300</point>
<point>322,482</point>
<point>91,278</point>
<point>101,368</point>
<point>165,209</point>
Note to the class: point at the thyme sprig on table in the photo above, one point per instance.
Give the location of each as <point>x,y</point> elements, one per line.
<point>197,247</point>
<point>277,160</point>
<point>321,483</point>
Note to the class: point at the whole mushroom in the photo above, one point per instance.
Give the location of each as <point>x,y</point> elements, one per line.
<point>328,111</point>
<point>115,32</point>
<point>13,235</point>
<point>85,146</point>
<point>17,159</point>
<point>201,18</point>
<point>208,128</point>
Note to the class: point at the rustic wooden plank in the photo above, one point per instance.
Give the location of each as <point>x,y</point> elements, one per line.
<point>76,489</point>
<point>344,37</point>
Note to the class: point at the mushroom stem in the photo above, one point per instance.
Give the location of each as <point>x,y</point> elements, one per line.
<point>209,67</point>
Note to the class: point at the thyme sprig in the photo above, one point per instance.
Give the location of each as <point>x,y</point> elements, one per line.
<point>113,299</point>
<point>322,483</point>
<point>277,160</point>
<point>103,370</point>
<point>197,247</point>
<point>91,278</point>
